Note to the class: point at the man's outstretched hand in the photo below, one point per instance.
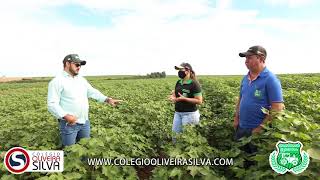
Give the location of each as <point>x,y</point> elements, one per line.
<point>113,102</point>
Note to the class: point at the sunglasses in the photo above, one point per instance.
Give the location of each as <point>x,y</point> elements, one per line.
<point>76,64</point>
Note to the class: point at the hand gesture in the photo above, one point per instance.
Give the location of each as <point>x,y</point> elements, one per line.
<point>172,97</point>
<point>113,102</point>
<point>257,129</point>
<point>181,97</point>
<point>71,119</point>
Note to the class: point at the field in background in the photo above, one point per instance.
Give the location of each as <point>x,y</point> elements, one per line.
<point>141,127</point>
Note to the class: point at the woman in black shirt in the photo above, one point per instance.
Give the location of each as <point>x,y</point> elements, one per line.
<point>186,96</point>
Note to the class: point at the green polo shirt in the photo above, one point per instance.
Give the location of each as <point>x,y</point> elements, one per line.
<point>189,89</point>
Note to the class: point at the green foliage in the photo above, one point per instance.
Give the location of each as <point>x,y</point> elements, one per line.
<point>141,127</point>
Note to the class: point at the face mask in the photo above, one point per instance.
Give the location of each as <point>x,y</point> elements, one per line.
<point>181,74</point>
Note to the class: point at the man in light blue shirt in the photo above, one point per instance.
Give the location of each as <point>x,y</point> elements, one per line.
<point>68,101</point>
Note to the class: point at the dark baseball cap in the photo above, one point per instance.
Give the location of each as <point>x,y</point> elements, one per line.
<point>74,58</point>
<point>254,50</point>
<point>183,66</point>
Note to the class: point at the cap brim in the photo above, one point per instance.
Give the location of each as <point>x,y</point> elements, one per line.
<point>244,54</point>
<point>178,67</point>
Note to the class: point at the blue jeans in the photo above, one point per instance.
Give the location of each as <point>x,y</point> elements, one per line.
<point>245,132</point>
<point>183,118</point>
<point>70,134</point>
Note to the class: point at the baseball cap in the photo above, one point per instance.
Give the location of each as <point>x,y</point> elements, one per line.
<point>74,58</point>
<point>183,66</point>
<point>254,50</point>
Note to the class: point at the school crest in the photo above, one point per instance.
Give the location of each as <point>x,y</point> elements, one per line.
<point>257,93</point>
<point>289,156</point>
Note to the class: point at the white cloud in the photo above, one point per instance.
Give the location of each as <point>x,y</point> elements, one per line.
<point>223,4</point>
<point>290,3</point>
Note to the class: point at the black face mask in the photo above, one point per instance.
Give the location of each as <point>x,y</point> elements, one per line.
<point>181,74</point>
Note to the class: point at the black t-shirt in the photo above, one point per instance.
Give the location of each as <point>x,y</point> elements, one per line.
<point>189,89</point>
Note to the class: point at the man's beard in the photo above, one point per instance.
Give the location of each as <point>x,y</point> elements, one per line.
<point>73,72</point>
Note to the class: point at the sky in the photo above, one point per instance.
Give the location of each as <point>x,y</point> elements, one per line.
<point>136,37</point>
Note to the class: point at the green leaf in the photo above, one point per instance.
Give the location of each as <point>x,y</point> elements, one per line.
<point>194,170</point>
<point>304,136</point>
<point>73,175</point>
<point>314,153</point>
<point>176,172</point>
<point>8,177</point>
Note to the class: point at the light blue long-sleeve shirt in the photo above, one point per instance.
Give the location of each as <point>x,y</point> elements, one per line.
<point>69,95</point>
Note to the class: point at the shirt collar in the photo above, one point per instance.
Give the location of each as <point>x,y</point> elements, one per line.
<point>263,73</point>
<point>189,81</point>
<point>65,74</point>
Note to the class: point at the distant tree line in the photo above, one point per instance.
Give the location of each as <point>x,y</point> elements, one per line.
<point>156,75</point>
<point>152,75</point>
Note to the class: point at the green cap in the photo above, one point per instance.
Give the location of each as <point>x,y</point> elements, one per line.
<point>74,58</point>
<point>254,50</point>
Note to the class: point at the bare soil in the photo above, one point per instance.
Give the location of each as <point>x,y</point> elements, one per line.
<point>8,79</point>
